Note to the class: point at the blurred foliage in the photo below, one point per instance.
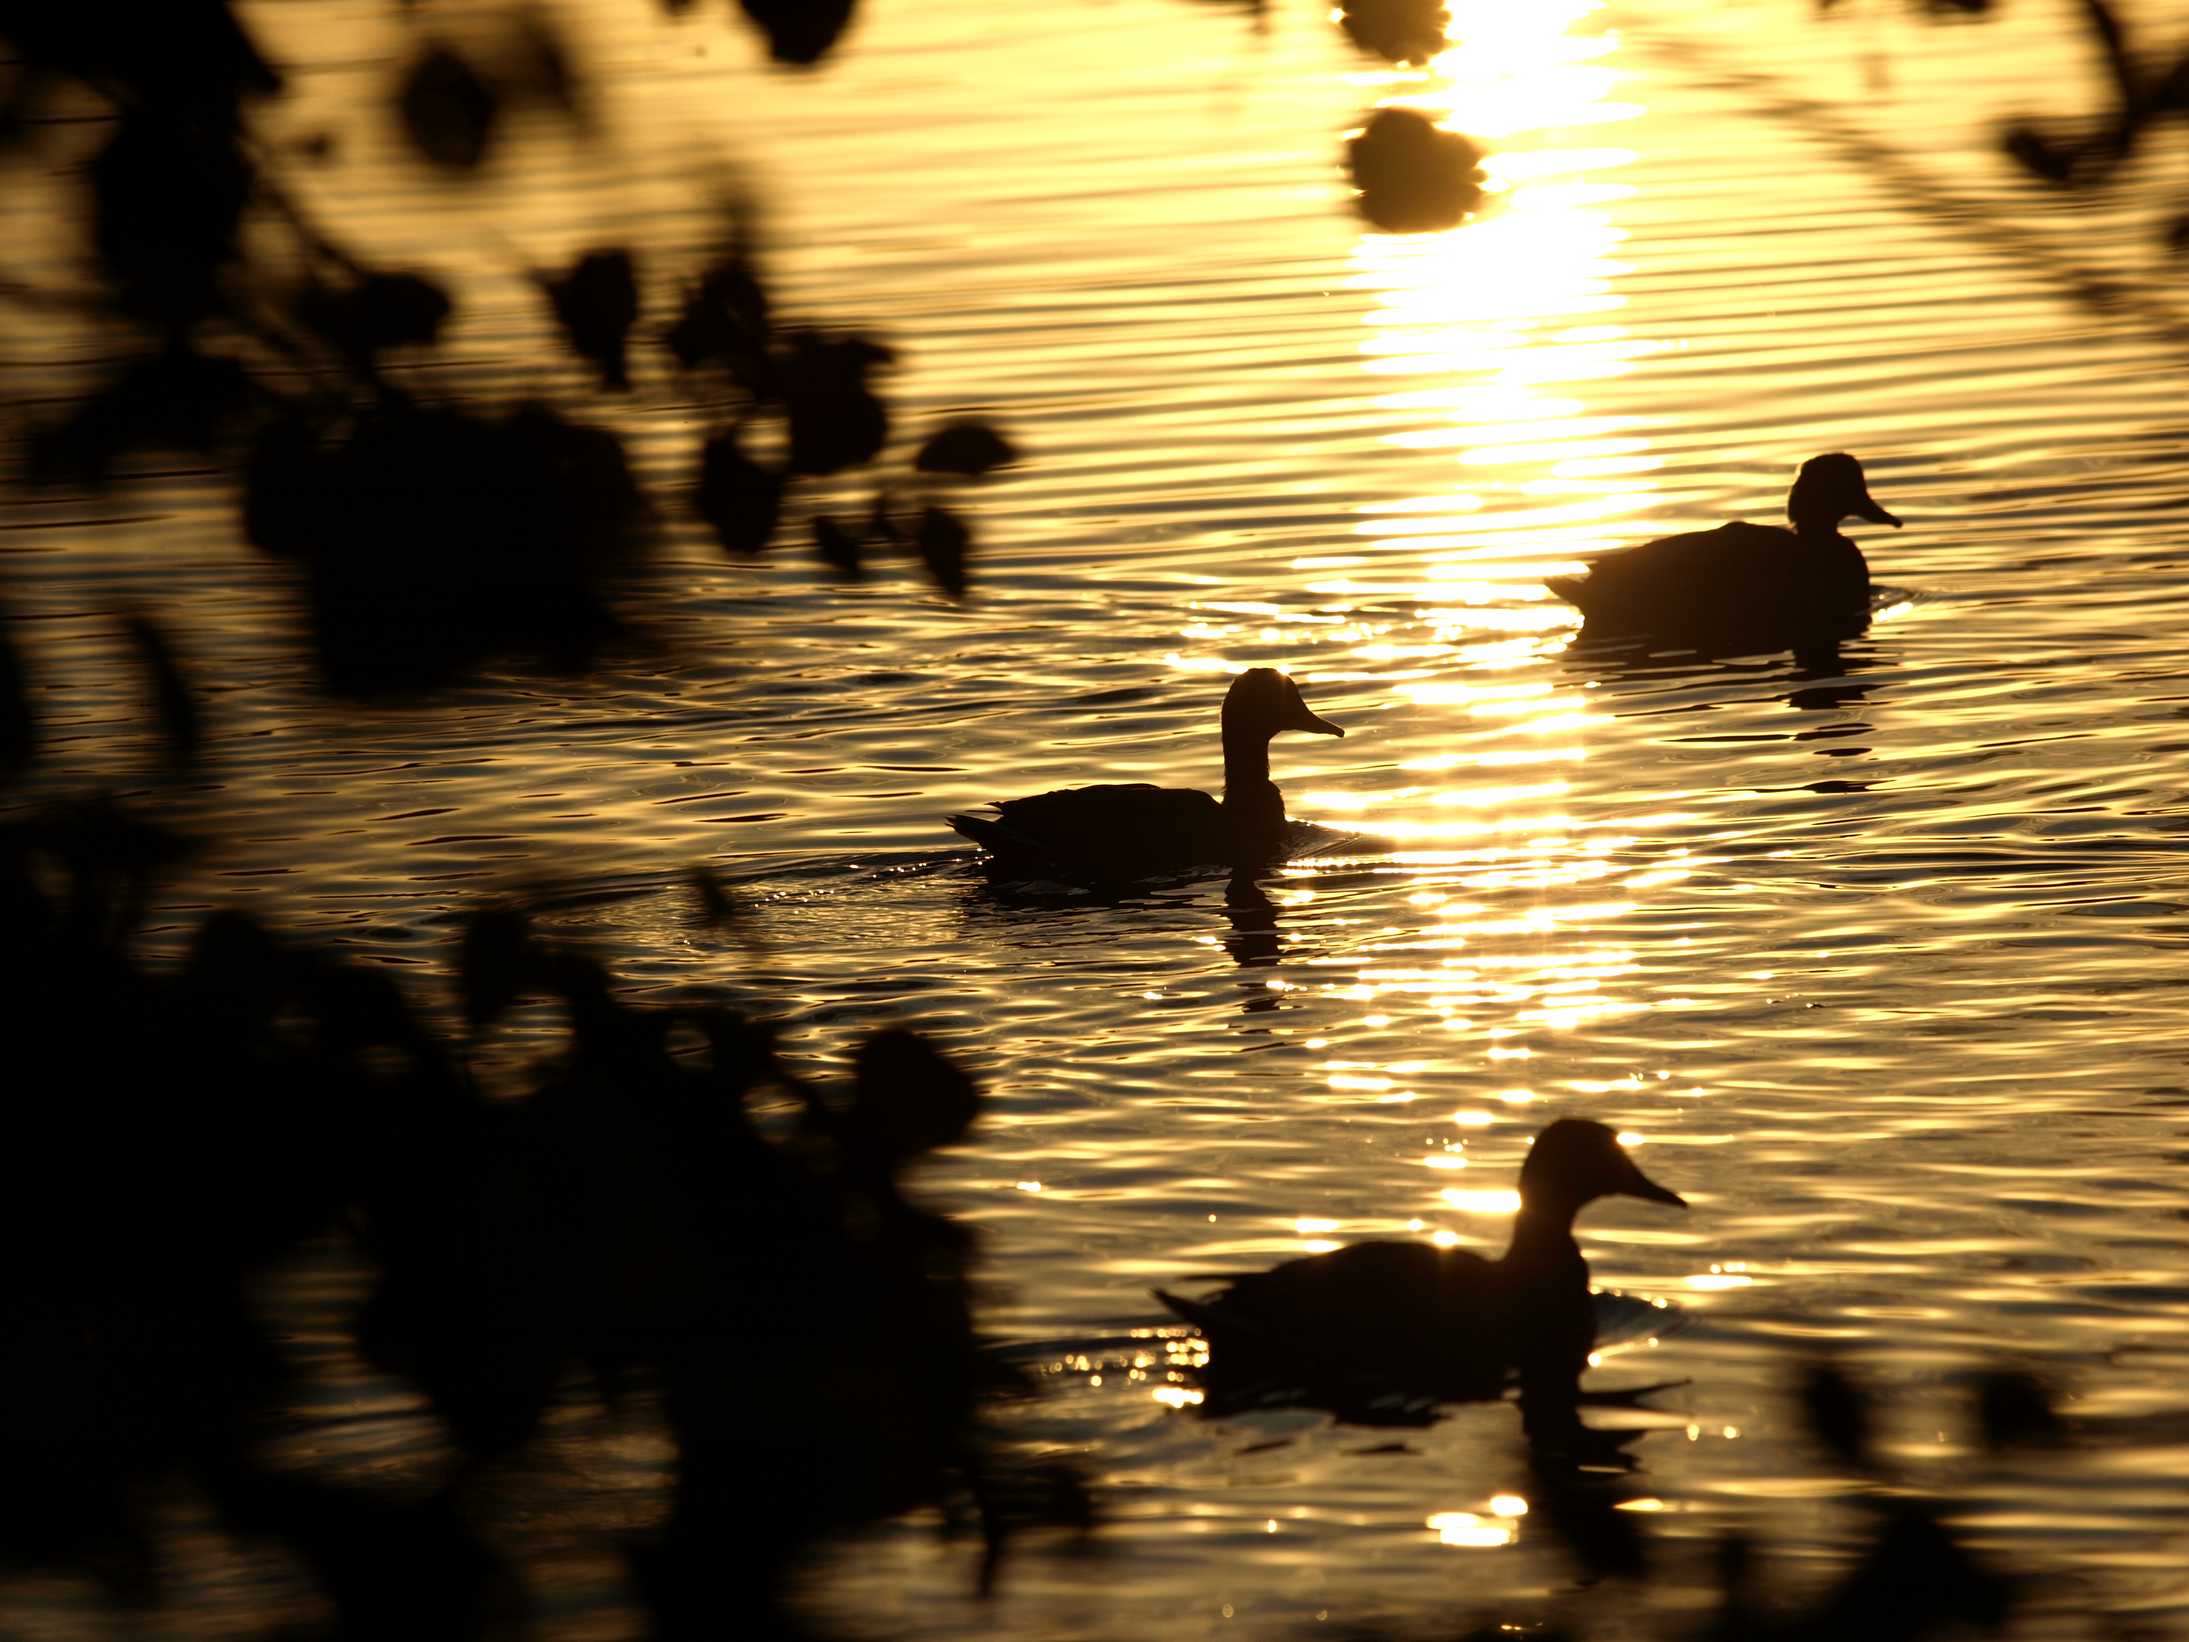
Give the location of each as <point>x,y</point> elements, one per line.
<point>623,1228</point>
<point>432,535</point>
<point>618,1229</point>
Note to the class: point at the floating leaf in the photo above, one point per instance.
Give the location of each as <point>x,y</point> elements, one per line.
<point>968,447</point>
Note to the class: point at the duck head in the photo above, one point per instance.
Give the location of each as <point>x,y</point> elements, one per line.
<point>1574,1162</point>
<point>1829,489</point>
<point>1263,702</point>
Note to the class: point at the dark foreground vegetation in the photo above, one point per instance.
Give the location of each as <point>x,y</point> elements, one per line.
<point>661,1216</point>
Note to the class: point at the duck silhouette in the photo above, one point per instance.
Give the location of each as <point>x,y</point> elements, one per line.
<point>1122,832</point>
<point>1442,1323</point>
<point>1743,587</point>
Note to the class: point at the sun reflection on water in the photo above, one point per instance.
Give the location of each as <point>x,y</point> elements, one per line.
<point>1484,345</point>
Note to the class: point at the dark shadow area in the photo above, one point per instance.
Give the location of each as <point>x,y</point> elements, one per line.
<point>620,1229</point>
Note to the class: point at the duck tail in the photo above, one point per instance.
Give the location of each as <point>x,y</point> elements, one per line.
<point>990,834</point>
<point>1201,1315</point>
<point>1573,589</point>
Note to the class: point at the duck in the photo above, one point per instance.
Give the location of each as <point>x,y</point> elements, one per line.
<point>1127,831</point>
<point>1747,586</point>
<point>1440,1322</point>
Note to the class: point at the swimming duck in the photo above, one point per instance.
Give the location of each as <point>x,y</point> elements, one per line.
<point>1441,1321</point>
<point>1134,830</point>
<point>1747,585</point>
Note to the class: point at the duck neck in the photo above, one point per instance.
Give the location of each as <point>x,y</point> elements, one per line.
<point>1246,767</point>
<point>1543,1236</point>
<point>1814,527</point>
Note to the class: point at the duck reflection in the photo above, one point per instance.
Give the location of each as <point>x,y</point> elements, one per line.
<point>1381,1332</point>
<point>1823,680</point>
<point>1253,942</point>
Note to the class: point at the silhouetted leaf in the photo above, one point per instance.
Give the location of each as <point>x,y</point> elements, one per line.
<point>438,537</point>
<point>742,500</point>
<point>836,421</point>
<point>725,319</point>
<point>493,963</point>
<point>176,400</point>
<point>800,31</point>
<point>715,906</point>
<point>2113,42</point>
<point>910,1098</point>
<point>173,704</point>
<point>168,201</point>
<point>840,547</point>
<point>18,725</point>
<point>1402,31</point>
<point>2043,156</point>
<point>540,67</point>
<point>449,112</point>
<point>968,447</point>
<point>375,313</point>
<point>282,487</point>
<point>881,519</point>
<point>1414,177</point>
<point>1838,1412</point>
<point>597,304</point>
<point>2014,1409</point>
<point>942,541</point>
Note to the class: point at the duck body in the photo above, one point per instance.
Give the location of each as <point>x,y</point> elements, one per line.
<point>1121,832</point>
<point>1443,1323</point>
<point>1743,585</point>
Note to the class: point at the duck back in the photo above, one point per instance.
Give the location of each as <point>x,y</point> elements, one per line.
<point>1442,1321</point>
<point>1741,581</point>
<point>1119,831</point>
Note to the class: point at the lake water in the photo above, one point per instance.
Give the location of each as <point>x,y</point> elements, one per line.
<point>1886,969</point>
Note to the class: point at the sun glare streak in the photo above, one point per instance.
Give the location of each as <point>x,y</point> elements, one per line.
<point>1486,348</point>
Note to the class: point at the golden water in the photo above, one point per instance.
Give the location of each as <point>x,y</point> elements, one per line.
<point>1884,968</point>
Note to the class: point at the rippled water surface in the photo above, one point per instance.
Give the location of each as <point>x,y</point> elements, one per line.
<point>1884,964</point>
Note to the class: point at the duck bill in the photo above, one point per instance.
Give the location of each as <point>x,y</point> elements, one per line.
<point>1643,1187</point>
<point>1867,509</point>
<point>1313,724</point>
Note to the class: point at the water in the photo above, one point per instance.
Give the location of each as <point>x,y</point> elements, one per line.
<point>1882,966</point>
